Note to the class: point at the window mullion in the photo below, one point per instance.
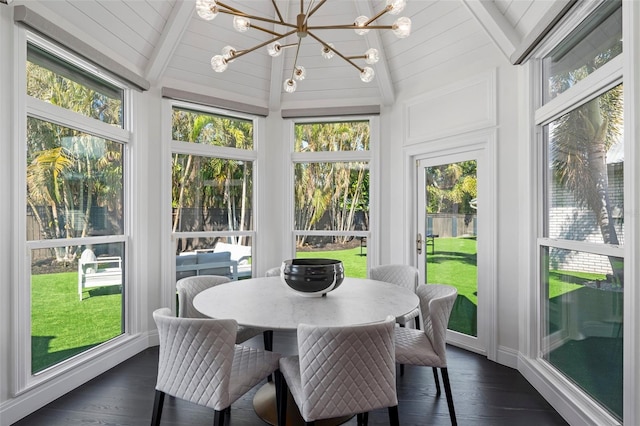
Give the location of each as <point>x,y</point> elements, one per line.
<point>66,118</point>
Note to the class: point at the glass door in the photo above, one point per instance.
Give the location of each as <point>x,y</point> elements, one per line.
<point>447,241</point>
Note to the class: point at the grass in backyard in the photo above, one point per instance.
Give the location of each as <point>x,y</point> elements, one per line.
<point>454,262</point>
<point>62,325</point>
<point>355,264</point>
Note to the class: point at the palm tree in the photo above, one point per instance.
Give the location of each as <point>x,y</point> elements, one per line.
<point>579,143</point>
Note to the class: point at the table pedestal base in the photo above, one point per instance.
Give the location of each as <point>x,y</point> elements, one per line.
<point>264,403</point>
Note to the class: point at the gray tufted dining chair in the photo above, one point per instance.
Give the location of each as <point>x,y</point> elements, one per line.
<point>428,347</point>
<point>404,276</point>
<point>200,362</point>
<point>340,371</point>
<point>190,286</point>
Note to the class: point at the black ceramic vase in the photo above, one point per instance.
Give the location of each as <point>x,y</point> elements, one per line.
<point>312,277</point>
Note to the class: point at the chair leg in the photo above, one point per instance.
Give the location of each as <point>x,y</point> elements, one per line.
<point>218,417</point>
<point>157,408</point>
<point>267,337</point>
<point>435,378</point>
<point>281,397</point>
<point>447,391</point>
<point>394,420</point>
<point>362,419</point>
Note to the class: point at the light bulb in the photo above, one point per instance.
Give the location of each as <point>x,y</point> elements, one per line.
<point>327,52</point>
<point>228,52</point>
<point>274,49</point>
<point>359,22</point>
<point>219,63</point>
<point>371,56</point>
<point>241,23</point>
<point>396,6</point>
<point>367,74</point>
<point>207,9</point>
<point>402,27</point>
<point>299,73</point>
<point>289,85</point>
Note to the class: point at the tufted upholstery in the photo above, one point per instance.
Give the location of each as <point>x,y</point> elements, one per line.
<point>199,362</point>
<point>341,371</point>
<point>403,275</point>
<point>190,286</point>
<point>428,347</point>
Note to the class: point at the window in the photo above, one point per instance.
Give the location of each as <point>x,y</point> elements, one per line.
<point>580,243</point>
<point>331,187</point>
<point>212,175</point>
<point>75,207</point>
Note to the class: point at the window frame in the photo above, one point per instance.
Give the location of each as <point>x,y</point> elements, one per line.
<point>592,86</point>
<point>203,150</point>
<point>27,106</point>
<point>370,156</point>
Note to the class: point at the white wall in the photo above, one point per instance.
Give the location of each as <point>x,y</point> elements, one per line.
<point>394,219</point>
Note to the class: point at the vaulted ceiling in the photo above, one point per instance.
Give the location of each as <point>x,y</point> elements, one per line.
<point>166,42</point>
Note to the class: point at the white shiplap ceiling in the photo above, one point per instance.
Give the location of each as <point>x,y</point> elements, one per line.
<point>166,42</point>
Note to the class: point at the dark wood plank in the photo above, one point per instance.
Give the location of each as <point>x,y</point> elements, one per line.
<point>484,393</point>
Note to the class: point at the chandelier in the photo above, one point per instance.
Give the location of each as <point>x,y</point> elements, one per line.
<point>209,9</point>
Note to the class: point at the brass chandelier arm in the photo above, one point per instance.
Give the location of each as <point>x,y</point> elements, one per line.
<point>229,8</point>
<point>275,6</point>
<point>336,52</point>
<point>351,27</point>
<point>315,8</point>
<point>382,12</point>
<point>235,12</point>
<point>265,30</point>
<point>295,61</point>
<point>244,52</point>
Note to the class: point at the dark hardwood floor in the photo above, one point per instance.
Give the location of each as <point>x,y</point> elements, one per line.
<point>484,393</point>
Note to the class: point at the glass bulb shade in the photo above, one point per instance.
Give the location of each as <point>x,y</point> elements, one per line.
<point>219,63</point>
<point>206,9</point>
<point>326,52</point>
<point>274,49</point>
<point>371,56</point>
<point>367,74</point>
<point>299,73</point>
<point>289,85</point>
<point>228,52</point>
<point>359,22</point>
<point>396,6</point>
<point>241,23</point>
<point>402,27</point>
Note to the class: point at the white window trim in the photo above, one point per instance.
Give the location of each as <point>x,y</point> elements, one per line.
<point>371,157</point>
<point>574,404</point>
<point>26,106</point>
<point>170,147</point>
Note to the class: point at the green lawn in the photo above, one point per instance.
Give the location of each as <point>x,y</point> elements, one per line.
<point>62,325</point>
<point>355,265</point>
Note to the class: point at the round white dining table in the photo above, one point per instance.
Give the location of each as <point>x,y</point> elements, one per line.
<point>269,303</point>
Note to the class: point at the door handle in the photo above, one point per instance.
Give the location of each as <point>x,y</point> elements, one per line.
<point>419,243</point>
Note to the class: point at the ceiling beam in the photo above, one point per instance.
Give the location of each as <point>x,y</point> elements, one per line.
<point>373,40</point>
<point>494,23</point>
<point>172,32</point>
